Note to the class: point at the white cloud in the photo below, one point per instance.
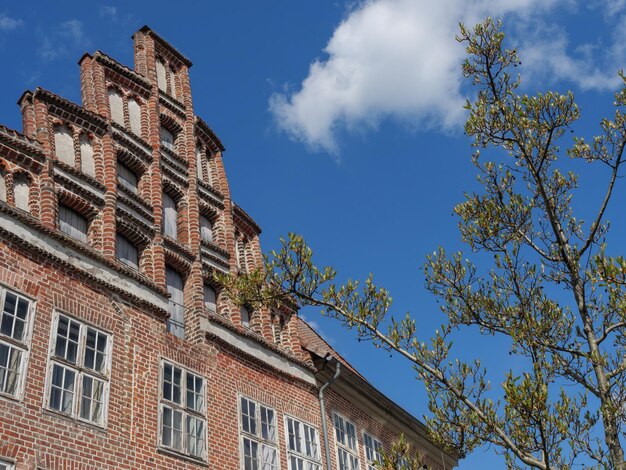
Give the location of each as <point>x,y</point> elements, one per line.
<point>108,11</point>
<point>399,59</point>
<point>9,24</point>
<point>58,42</point>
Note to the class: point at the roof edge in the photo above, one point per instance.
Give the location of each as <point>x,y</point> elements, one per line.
<point>175,52</point>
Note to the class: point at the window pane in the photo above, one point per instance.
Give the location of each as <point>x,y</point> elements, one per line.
<point>196,442</point>
<point>67,339</point>
<point>62,389</point>
<point>248,416</point>
<point>10,366</point>
<point>72,223</point>
<point>268,425</point>
<point>351,432</point>
<point>172,383</point>
<point>92,401</point>
<point>14,316</point>
<point>172,428</point>
<point>269,457</point>
<point>250,454</point>
<point>310,442</point>
<point>195,392</point>
<point>95,350</point>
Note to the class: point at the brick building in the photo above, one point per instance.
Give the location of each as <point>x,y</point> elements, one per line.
<point>117,350</point>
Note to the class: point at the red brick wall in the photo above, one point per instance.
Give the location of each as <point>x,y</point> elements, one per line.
<point>39,438</point>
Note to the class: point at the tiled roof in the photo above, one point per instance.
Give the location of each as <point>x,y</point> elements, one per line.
<point>245,217</point>
<point>313,342</point>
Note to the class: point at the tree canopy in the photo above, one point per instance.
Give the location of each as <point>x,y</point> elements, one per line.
<point>551,288</point>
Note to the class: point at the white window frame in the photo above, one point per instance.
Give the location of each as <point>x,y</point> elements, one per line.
<point>79,369</point>
<point>6,464</point>
<point>341,447</point>
<point>375,450</point>
<point>312,461</point>
<point>184,409</point>
<point>23,346</point>
<point>258,437</point>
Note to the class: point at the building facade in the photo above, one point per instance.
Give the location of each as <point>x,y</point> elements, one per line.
<point>117,349</point>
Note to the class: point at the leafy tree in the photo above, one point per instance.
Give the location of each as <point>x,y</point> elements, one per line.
<point>551,289</point>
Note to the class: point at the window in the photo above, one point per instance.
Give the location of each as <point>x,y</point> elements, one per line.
<point>206,229</point>
<point>210,299</point>
<point>87,163</point>
<point>259,438</point>
<point>303,447</point>
<point>170,217</point>
<point>345,437</point>
<point>21,192</point>
<point>4,465</point>
<point>117,106</point>
<point>126,252</point>
<point>15,325</point>
<point>64,145</point>
<point>167,139</point>
<point>126,177</point>
<point>373,451</point>
<point>245,317</point>
<point>79,370</point>
<point>176,322</point>
<point>183,421</point>
<point>134,116</point>
<point>72,223</point>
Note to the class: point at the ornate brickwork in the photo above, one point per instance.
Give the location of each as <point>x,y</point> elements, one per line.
<point>100,221</point>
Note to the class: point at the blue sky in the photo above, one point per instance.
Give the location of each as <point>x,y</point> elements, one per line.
<point>342,121</point>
